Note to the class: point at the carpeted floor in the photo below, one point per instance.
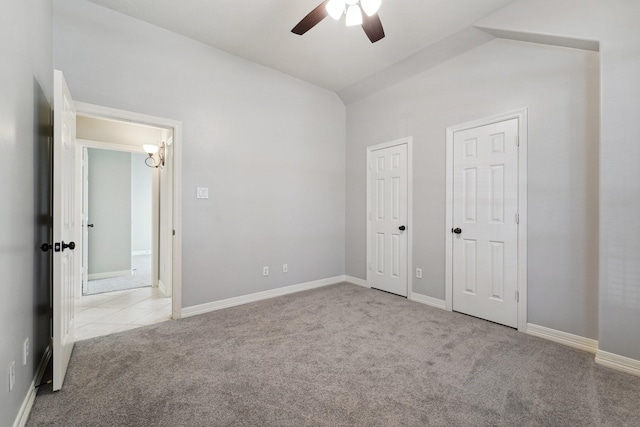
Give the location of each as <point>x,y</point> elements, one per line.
<point>339,355</point>
<point>140,277</point>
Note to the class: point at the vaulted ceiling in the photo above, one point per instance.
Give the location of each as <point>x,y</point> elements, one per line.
<point>330,55</point>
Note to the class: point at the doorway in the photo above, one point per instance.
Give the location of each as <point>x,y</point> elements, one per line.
<point>389,220</point>
<point>120,220</point>
<point>125,215</point>
<point>486,219</point>
<point>67,222</point>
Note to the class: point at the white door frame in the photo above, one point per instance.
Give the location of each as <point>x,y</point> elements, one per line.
<point>82,173</point>
<point>408,141</point>
<point>521,115</point>
<point>174,212</point>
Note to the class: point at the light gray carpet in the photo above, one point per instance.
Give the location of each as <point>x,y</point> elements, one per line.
<point>339,355</point>
<point>140,278</point>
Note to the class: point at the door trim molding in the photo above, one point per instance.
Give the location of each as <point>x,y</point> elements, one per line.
<point>408,141</point>
<point>522,116</point>
<point>175,213</point>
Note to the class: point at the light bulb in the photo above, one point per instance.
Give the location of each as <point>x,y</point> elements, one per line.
<point>335,8</point>
<point>150,149</point>
<point>370,7</point>
<point>354,16</point>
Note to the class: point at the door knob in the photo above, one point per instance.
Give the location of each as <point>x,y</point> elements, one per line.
<point>46,247</point>
<point>70,245</point>
<point>456,230</point>
<point>402,228</point>
<point>90,225</point>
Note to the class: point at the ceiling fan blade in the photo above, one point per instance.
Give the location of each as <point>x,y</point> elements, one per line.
<point>372,27</point>
<point>310,21</point>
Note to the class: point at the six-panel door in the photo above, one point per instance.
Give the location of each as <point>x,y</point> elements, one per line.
<point>485,208</point>
<point>388,216</point>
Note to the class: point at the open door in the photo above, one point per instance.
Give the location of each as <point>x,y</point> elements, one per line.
<point>64,227</point>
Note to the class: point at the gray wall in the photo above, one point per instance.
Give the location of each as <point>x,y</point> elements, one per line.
<point>560,88</point>
<point>109,211</point>
<point>615,24</point>
<point>26,87</point>
<point>269,147</point>
<point>140,203</point>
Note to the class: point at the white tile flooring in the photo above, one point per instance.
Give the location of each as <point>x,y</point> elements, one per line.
<point>104,314</point>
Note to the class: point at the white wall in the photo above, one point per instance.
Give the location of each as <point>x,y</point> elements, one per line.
<point>269,147</point>
<point>141,208</point>
<point>26,82</point>
<point>615,24</point>
<point>110,212</point>
<point>559,86</point>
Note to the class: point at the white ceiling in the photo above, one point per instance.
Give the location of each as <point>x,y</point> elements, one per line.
<point>330,55</point>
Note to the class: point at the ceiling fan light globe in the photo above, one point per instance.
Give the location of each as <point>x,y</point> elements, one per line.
<point>354,16</point>
<point>335,8</point>
<point>370,7</point>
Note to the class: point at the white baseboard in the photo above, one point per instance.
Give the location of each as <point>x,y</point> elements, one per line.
<point>575,341</point>
<point>27,404</point>
<point>108,274</point>
<point>621,363</point>
<point>134,253</point>
<point>424,299</point>
<point>356,281</point>
<point>258,296</point>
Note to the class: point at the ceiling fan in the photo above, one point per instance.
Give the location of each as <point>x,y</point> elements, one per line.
<point>353,10</point>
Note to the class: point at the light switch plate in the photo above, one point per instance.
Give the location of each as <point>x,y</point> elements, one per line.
<point>202,193</point>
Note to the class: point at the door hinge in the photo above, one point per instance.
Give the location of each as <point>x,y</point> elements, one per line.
<point>174,232</point>
<point>517,218</point>
<point>517,296</point>
<point>517,141</point>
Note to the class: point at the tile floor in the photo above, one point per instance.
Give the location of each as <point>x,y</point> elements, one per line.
<point>104,314</point>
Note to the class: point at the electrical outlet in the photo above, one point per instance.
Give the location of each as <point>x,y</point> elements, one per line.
<point>285,268</point>
<point>265,271</point>
<point>12,375</point>
<point>419,273</point>
<point>25,351</point>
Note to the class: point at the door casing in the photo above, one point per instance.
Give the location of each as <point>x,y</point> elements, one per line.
<point>409,143</point>
<point>521,115</point>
